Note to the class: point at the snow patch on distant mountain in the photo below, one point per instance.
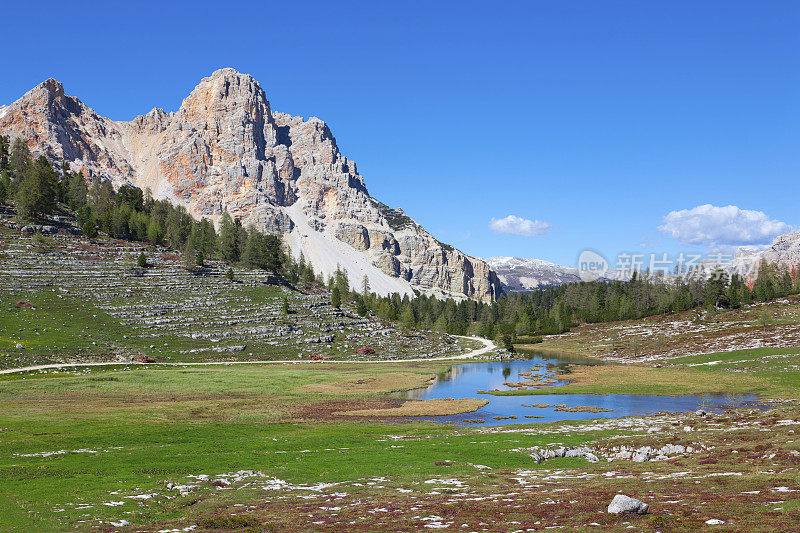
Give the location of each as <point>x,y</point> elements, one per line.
<point>4,109</point>
<point>520,274</point>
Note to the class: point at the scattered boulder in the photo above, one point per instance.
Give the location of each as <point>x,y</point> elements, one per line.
<point>30,229</point>
<point>626,504</point>
<point>715,522</point>
<point>539,455</point>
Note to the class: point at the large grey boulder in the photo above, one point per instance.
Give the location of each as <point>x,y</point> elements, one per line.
<point>626,504</point>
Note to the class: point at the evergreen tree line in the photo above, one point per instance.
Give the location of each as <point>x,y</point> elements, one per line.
<point>553,310</point>
<point>37,189</point>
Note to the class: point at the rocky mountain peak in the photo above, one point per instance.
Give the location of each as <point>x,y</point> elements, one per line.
<point>225,150</point>
<point>228,91</point>
<point>51,86</point>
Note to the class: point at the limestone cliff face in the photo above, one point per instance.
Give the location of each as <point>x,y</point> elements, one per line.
<point>226,150</point>
<point>784,252</point>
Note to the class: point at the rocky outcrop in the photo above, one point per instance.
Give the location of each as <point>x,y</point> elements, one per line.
<point>225,149</point>
<point>784,252</point>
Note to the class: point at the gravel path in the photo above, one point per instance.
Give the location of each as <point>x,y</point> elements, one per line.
<point>487,347</point>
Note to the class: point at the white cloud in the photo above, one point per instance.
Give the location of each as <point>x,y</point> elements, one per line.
<point>708,225</point>
<point>515,225</point>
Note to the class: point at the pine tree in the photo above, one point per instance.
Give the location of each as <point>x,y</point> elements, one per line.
<point>179,225</point>
<point>241,236</point>
<point>733,292</point>
<point>361,306</point>
<point>102,201</point>
<point>716,288</point>
<point>190,258</point>
<point>336,298</point>
<point>77,193</point>
<point>272,250</point>
<point>441,324</point>
<point>341,281</point>
<point>5,186</point>
<point>87,223</point>
<point>252,253</point>
<point>365,288</point>
<point>407,318</point>
<point>155,234</point>
<point>37,192</point>
<point>228,237</point>
<point>308,274</point>
<point>206,237</point>
<point>5,147</point>
<point>20,159</point>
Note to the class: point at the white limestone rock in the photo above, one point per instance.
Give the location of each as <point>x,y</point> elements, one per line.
<point>626,504</point>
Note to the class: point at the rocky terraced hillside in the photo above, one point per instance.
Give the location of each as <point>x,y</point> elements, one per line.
<point>225,149</point>
<point>68,299</point>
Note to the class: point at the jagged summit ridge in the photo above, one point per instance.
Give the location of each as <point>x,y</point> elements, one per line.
<point>225,149</point>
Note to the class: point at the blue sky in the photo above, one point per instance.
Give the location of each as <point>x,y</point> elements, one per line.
<point>596,119</point>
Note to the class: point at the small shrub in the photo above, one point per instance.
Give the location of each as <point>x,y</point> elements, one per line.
<point>228,522</point>
<point>142,260</point>
<point>42,244</point>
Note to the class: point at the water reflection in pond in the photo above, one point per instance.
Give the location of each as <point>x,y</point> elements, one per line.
<point>466,380</point>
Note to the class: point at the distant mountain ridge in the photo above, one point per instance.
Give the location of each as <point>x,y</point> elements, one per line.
<point>225,149</point>
<point>524,274</point>
<point>520,274</point>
